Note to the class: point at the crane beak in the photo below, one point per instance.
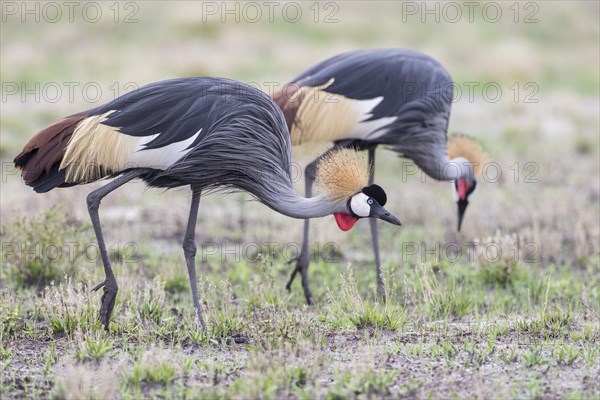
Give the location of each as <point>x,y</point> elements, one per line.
<point>378,211</point>
<point>462,207</point>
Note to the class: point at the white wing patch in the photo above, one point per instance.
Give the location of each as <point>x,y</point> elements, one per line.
<point>96,150</point>
<point>162,157</point>
<point>324,117</point>
<point>368,129</point>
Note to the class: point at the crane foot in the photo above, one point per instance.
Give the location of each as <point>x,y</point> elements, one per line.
<point>108,300</point>
<point>302,268</point>
<point>297,269</point>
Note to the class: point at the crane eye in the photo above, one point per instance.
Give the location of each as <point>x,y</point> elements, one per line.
<point>370,201</point>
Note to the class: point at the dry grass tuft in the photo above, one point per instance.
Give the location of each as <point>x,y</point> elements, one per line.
<point>86,381</point>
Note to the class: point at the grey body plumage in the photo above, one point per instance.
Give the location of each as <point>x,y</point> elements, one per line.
<point>416,89</point>
<point>212,134</point>
<point>416,94</point>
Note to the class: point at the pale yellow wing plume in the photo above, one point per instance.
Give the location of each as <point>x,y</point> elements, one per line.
<point>96,150</point>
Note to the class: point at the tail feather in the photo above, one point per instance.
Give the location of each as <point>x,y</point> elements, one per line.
<point>287,100</point>
<point>40,159</point>
<point>50,180</point>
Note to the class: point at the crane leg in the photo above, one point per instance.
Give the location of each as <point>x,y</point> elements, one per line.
<point>110,282</point>
<point>303,258</point>
<point>374,232</point>
<point>189,250</point>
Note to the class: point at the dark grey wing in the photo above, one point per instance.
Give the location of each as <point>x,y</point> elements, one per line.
<point>244,143</point>
<point>400,76</point>
<point>224,134</point>
<point>175,109</point>
<point>416,89</point>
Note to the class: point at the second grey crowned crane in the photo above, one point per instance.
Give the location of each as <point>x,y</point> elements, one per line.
<point>212,134</point>
<point>395,98</point>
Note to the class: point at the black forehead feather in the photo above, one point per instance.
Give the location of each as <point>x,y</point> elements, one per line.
<point>377,193</point>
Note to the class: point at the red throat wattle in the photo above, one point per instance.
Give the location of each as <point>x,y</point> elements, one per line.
<point>463,186</point>
<point>345,221</point>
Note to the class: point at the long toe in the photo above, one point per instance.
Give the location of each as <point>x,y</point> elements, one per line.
<point>108,303</point>
<point>303,265</point>
<point>306,286</point>
<point>298,269</point>
<point>308,295</point>
<point>98,286</point>
<point>302,269</point>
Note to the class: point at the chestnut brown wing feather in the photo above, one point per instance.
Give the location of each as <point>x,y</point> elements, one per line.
<point>46,148</point>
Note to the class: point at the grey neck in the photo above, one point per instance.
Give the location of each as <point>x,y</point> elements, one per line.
<point>296,206</point>
<point>445,169</point>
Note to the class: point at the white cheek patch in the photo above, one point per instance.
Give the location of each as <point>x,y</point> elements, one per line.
<point>472,193</point>
<point>359,205</point>
<point>454,192</point>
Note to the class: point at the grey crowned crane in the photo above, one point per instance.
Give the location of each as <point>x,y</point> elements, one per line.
<point>362,99</point>
<point>212,134</point>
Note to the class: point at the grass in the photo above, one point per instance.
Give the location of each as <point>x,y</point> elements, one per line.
<point>32,244</point>
<point>349,345</point>
<point>350,309</point>
<point>93,348</point>
<point>520,323</point>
